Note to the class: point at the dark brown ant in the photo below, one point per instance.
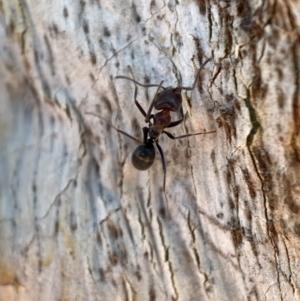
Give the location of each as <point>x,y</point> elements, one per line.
<point>169,99</point>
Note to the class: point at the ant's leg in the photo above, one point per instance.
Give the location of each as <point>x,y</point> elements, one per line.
<point>185,136</point>
<point>120,131</point>
<point>135,100</point>
<point>135,95</point>
<point>141,109</point>
<point>174,123</point>
<point>165,171</point>
<point>125,134</point>
<point>145,134</point>
<point>138,104</point>
<point>148,116</point>
<point>162,160</point>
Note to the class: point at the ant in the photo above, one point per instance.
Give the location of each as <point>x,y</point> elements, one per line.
<point>165,101</point>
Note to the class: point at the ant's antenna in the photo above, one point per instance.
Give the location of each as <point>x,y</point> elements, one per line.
<point>137,83</point>
<point>196,79</point>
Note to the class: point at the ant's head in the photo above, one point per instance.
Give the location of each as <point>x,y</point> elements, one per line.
<point>170,99</point>
<point>143,156</point>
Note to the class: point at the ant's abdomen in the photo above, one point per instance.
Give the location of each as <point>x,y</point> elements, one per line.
<point>143,156</point>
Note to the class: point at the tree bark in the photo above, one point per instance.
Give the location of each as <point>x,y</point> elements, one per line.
<point>79,222</point>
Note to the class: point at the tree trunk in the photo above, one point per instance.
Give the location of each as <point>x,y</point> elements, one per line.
<point>79,222</point>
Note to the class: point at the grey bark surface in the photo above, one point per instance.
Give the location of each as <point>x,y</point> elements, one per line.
<point>78,222</point>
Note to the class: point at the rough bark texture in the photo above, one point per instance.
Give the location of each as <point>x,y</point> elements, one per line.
<point>78,222</point>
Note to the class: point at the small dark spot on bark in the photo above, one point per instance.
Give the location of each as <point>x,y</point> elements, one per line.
<point>244,53</point>
<point>65,12</point>
<point>97,168</point>
<point>138,275</point>
<point>228,177</point>
<point>202,6</point>
<point>92,77</point>
<point>58,202</point>
<point>147,79</point>
<point>93,58</point>
<point>231,203</point>
<point>152,294</point>
<point>55,29</point>
<point>113,258</point>
<point>162,212</point>
<point>135,127</point>
<point>56,227</point>
<point>237,105</point>
<point>280,98</point>
<point>241,7</point>
<point>248,213</point>
<point>73,224</point>
<point>283,224</point>
<point>101,43</point>
<point>113,230</point>
<point>229,97</point>
<point>249,182</point>
<point>117,64</point>
<point>97,139</point>
<point>120,231</point>
<point>123,254</point>
<point>101,274</point>
<point>67,79</point>
<point>105,100</point>
<point>265,167</point>
<point>86,27</point>
<point>209,288</point>
<point>297,229</point>
<point>213,156</point>
<point>135,14</point>
<point>36,56</point>
<point>292,205</point>
<point>46,89</point>
<point>114,283</point>
<point>246,23</point>
<point>98,238</point>
<point>273,39</point>
<point>227,120</point>
<point>273,234</point>
<point>82,5</point>
<point>220,215</point>
<point>280,74</point>
<point>11,27</point>
<point>258,89</point>
<point>68,112</point>
<point>40,264</point>
<point>106,32</point>
<point>88,132</point>
<point>200,51</point>
<point>236,191</point>
<point>237,237</point>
